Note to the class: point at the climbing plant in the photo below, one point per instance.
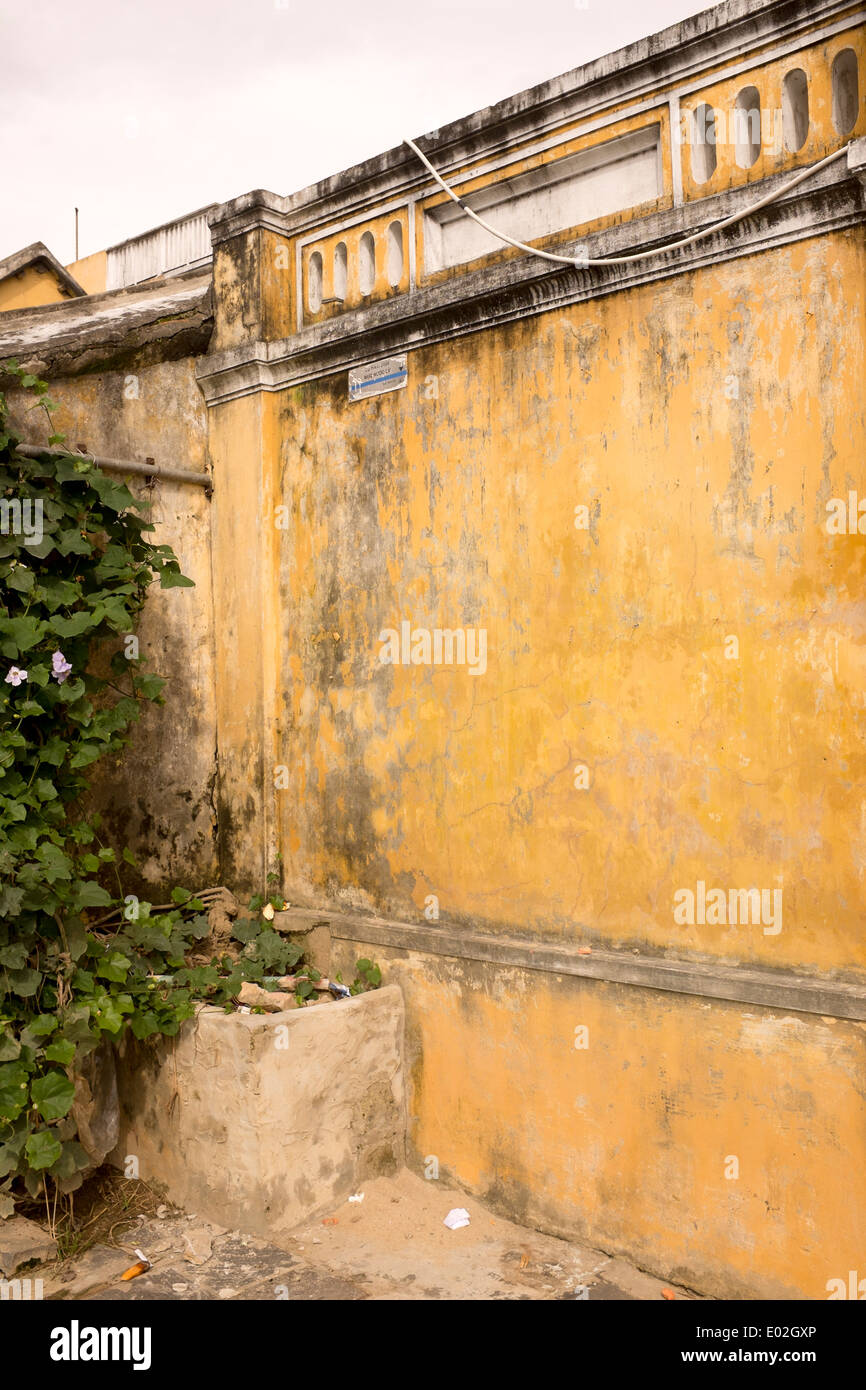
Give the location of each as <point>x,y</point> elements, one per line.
<point>81,961</point>
<point>76,563</point>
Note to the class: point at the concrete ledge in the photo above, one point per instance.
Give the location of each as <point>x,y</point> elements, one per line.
<point>775,989</point>
<point>158,321</point>
<point>258,1122</point>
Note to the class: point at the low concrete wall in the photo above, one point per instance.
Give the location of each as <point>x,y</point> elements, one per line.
<point>258,1122</point>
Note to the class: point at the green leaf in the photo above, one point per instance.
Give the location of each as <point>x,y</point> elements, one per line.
<point>144,1024</point>
<point>73,1159</point>
<point>20,634</point>
<point>42,1149</point>
<point>61,1051</point>
<point>76,938</point>
<point>245,930</point>
<point>14,956</point>
<point>87,754</point>
<point>25,982</point>
<point>10,1153</point>
<point>21,580</point>
<point>171,578</point>
<point>115,968</point>
<point>109,1015</point>
<point>112,494</point>
<point>55,864</point>
<point>10,900</point>
<point>89,894</point>
<point>149,685</point>
<point>72,542</point>
<point>42,1025</point>
<point>13,1090</point>
<point>75,1023</point>
<point>53,1095</point>
<point>72,627</point>
<point>54,751</point>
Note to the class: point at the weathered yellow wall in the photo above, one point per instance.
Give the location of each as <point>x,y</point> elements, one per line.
<point>684,415</point>
<point>244,638</point>
<point>34,286</point>
<point>625,1141</point>
<point>703,421</point>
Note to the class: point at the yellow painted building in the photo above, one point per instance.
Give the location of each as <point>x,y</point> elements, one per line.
<point>33,277</point>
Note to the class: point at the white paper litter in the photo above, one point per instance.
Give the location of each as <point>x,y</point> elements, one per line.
<point>456,1218</point>
<point>357,1197</point>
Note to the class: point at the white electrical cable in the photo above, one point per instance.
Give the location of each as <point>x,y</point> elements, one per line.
<point>580,262</point>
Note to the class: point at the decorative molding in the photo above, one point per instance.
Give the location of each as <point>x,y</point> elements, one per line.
<point>524,286</point>
<point>771,989</point>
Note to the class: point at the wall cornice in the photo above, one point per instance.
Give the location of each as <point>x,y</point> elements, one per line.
<point>525,286</point>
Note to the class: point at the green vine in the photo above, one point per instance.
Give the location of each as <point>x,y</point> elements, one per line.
<point>79,964</point>
<point>75,568</point>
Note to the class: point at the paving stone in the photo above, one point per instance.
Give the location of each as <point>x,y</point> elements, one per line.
<point>22,1241</point>
<point>98,1268</point>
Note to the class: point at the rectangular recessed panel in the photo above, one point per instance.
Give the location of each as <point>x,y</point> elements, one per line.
<point>565,193</point>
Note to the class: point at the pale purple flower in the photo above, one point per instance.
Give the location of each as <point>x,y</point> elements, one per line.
<point>60,667</point>
<point>16,676</point>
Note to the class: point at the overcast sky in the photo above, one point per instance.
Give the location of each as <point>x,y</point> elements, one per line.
<point>139,113</point>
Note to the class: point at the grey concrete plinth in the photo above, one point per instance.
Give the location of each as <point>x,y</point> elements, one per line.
<point>258,1122</point>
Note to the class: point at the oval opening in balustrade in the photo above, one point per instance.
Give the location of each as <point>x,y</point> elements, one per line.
<point>367,263</point>
<point>314,283</point>
<point>846,91</point>
<point>795,109</point>
<point>747,126</point>
<point>341,270</point>
<point>703,142</point>
<point>394,258</point>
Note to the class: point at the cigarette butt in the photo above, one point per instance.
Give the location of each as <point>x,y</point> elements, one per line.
<point>134,1270</point>
<point>668,1293</point>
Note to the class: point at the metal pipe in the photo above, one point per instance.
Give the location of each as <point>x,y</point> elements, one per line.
<point>144,470</point>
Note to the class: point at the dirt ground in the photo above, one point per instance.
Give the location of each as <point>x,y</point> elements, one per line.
<point>393,1245</point>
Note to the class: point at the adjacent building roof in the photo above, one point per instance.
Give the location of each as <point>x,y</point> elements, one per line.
<point>37,254</point>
